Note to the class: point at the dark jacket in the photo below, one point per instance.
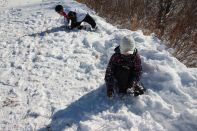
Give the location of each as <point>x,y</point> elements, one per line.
<point>123,69</point>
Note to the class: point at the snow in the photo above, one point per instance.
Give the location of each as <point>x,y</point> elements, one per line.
<point>10,3</point>
<point>55,81</point>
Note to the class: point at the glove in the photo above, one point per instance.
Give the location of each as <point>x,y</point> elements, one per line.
<point>109,93</point>
<point>138,88</point>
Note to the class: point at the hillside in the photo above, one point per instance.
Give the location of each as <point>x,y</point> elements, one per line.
<point>52,79</point>
<point>173,21</point>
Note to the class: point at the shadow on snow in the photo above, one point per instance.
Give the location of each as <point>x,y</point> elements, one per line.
<point>53,30</point>
<point>82,109</point>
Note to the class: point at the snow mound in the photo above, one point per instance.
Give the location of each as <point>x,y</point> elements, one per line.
<point>52,79</point>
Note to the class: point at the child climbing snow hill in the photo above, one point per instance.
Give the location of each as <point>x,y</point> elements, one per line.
<point>75,17</point>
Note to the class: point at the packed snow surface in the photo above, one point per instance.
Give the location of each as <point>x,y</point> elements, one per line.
<point>53,80</point>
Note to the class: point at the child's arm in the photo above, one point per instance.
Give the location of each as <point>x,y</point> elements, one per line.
<point>66,22</point>
<point>73,18</point>
<point>137,67</point>
<point>109,75</point>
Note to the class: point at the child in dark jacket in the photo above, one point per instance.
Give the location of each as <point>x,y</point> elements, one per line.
<point>75,17</point>
<point>124,69</point>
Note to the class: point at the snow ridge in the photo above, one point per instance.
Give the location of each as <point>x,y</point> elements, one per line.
<point>52,79</point>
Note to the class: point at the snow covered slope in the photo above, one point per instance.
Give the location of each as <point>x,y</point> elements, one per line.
<point>10,3</point>
<point>55,81</point>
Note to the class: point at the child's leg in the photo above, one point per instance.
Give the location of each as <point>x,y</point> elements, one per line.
<point>90,20</point>
<point>73,18</point>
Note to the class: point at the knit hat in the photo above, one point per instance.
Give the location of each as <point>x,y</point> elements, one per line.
<point>127,45</point>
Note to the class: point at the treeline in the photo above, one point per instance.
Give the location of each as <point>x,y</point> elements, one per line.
<point>174,21</point>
